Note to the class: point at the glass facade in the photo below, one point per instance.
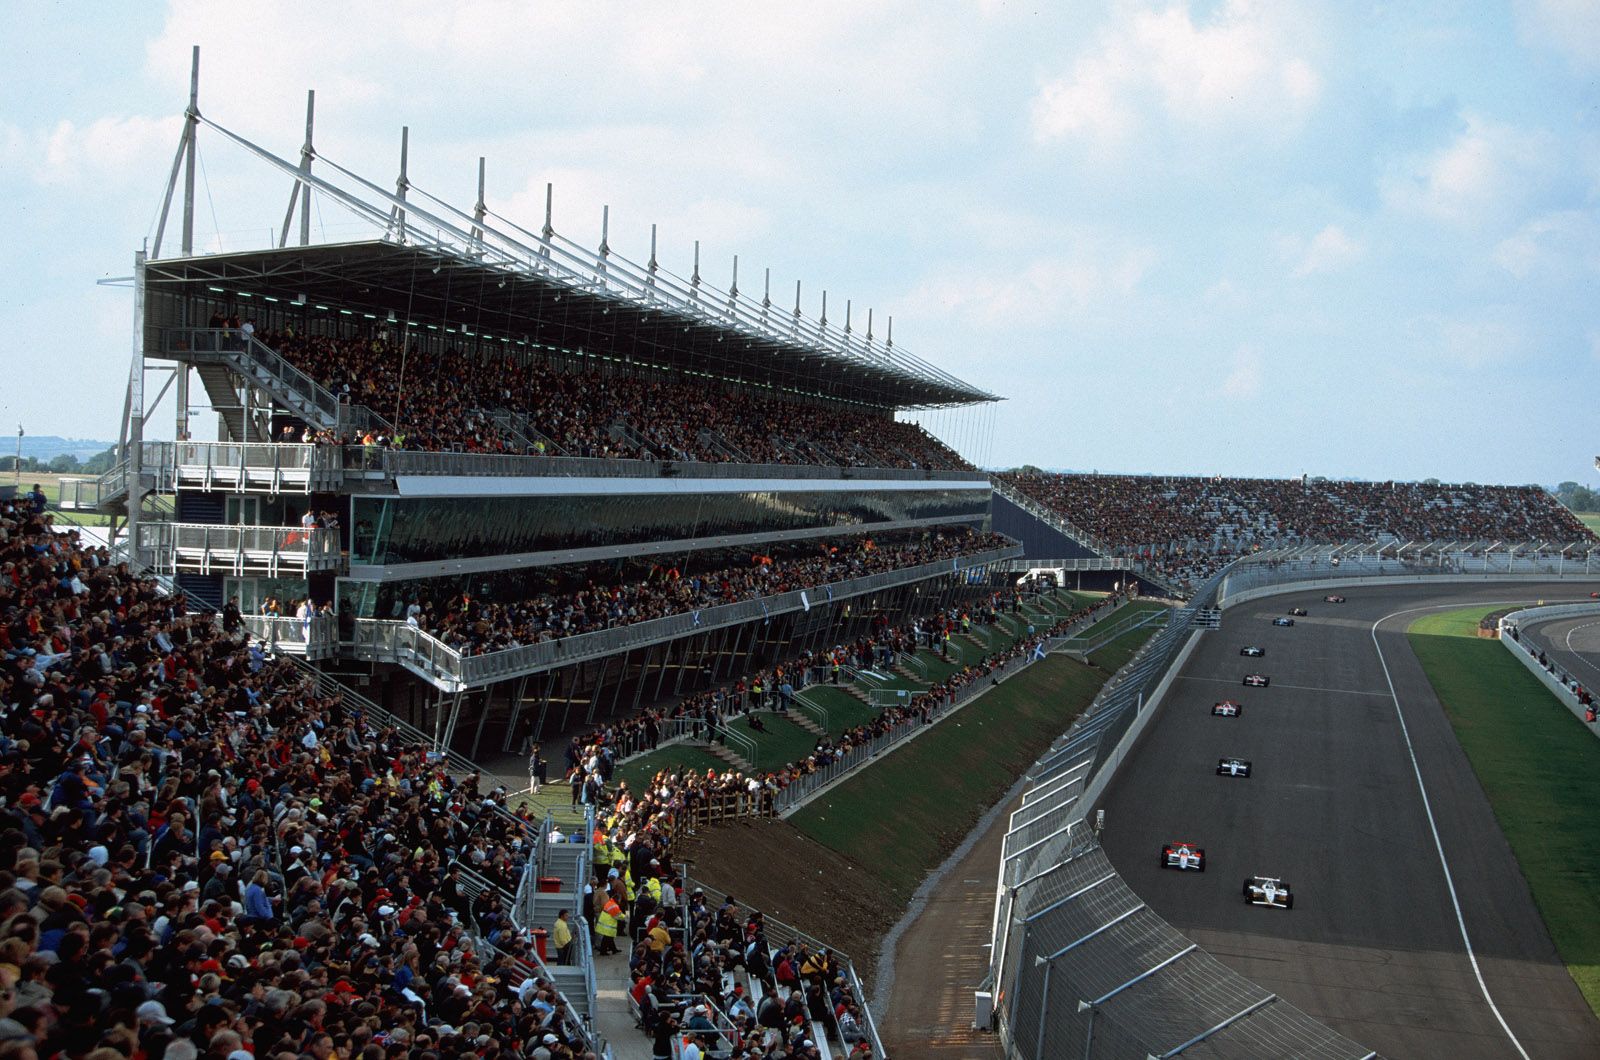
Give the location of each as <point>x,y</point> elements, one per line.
<point>425,529</point>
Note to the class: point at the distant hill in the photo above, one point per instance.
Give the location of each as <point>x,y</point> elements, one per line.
<point>46,447</point>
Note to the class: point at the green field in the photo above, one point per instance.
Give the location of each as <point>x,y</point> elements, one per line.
<point>1115,656</point>
<point>898,818</point>
<point>1591,520</point>
<point>1540,769</point>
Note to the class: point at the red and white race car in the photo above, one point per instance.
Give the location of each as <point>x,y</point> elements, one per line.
<point>1185,857</point>
<point>1257,680</point>
<point>1333,599</point>
<point>1228,708</point>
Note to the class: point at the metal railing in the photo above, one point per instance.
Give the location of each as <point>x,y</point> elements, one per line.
<point>780,934</point>
<point>264,365</point>
<point>270,467</point>
<point>391,641</point>
<point>89,494</point>
<point>802,789</point>
<point>239,550</point>
<point>311,638</point>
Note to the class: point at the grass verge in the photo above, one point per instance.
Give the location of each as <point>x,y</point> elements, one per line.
<point>1540,769</point>
<point>1590,519</point>
<point>898,817</point>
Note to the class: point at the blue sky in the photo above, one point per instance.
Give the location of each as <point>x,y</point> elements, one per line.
<point>1352,239</point>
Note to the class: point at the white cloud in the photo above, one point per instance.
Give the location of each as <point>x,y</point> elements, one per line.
<point>1478,343</point>
<point>1570,27</point>
<point>1242,64</point>
<point>110,146</point>
<point>1244,378</point>
<point>1042,292</point>
<point>1477,179</point>
<point>1565,239</point>
<point>1329,250</point>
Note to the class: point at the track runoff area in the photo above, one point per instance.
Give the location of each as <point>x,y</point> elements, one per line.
<point>1412,930</point>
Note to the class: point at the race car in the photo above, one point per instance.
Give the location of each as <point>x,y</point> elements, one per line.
<point>1594,596</point>
<point>1232,767</point>
<point>1298,612</point>
<point>1185,857</point>
<point>1283,622</point>
<point>1333,599</point>
<point>1256,680</point>
<point>1268,891</point>
<point>1253,651</point>
<point>1228,708</point>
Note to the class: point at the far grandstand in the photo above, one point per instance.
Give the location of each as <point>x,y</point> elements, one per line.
<point>1183,529</point>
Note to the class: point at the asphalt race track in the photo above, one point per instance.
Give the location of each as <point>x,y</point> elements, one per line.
<point>1572,644</point>
<point>1372,946</point>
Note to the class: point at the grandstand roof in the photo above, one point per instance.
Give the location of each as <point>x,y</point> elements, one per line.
<point>431,285</point>
<point>430,262</point>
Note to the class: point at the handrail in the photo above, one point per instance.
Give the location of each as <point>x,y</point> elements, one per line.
<point>451,670</point>
<point>229,344</point>
<point>237,546</point>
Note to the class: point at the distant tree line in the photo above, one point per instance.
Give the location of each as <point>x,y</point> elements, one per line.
<point>1578,498</point>
<point>64,464</point>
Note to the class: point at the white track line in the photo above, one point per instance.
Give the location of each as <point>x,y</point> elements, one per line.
<point>1438,844</point>
<point>1576,654</point>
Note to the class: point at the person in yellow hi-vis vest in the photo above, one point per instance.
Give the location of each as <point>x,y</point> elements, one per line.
<point>605,926</point>
<point>561,938</point>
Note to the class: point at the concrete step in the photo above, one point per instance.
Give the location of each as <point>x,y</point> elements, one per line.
<point>737,761</point>
<point>806,722</point>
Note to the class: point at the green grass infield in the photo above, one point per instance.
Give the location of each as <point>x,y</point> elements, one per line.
<point>1540,769</point>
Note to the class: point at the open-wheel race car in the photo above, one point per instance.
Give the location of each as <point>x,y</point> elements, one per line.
<point>1185,857</point>
<point>1283,621</point>
<point>1252,651</point>
<point>1232,767</point>
<point>1268,891</point>
<point>1298,612</point>
<point>1257,680</point>
<point>1228,708</point>
<point>1333,598</point>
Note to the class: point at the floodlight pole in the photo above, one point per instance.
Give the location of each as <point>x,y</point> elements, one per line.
<point>397,216</point>
<point>301,192</point>
<point>654,266</point>
<point>134,427</point>
<point>190,127</point>
<point>306,153</point>
<point>480,208</point>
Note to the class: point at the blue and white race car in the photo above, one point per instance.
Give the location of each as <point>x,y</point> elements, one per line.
<point>1283,621</point>
<point>1232,767</point>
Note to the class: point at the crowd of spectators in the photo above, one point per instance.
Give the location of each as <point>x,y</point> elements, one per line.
<point>202,857</point>
<point>708,972</point>
<point>450,401</point>
<point>474,626</point>
<point>1190,527</point>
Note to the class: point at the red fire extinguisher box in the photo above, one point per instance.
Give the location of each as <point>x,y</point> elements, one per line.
<point>549,884</point>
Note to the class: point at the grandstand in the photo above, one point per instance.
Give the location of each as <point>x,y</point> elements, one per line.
<point>511,487</point>
<point>1177,531</point>
<point>474,489</point>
